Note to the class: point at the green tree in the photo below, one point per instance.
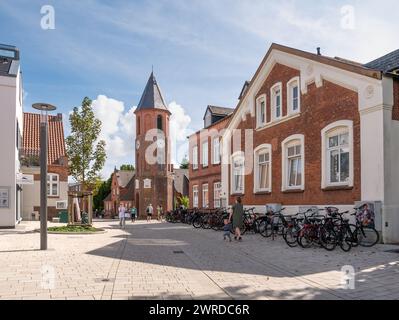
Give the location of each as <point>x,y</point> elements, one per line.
<point>184,163</point>
<point>103,191</point>
<point>86,154</point>
<point>127,167</point>
<point>184,201</point>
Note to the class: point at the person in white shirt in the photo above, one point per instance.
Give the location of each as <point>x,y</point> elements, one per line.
<point>150,211</point>
<point>122,211</point>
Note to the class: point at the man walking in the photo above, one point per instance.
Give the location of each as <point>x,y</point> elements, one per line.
<point>150,211</point>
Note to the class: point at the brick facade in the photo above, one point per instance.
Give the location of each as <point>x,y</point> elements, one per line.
<point>160,175</point>
<point>210,174</point>
<point>319,108</point>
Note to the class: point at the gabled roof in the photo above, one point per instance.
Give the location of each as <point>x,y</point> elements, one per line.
<point>127,193</point>
<point>219,111</point>
<point>56,141</point>
<point>124,177</point>
<point>336,62</point>
<point>244,89</point>
<point>387,63</point>
<point>180,176</point>
<point>152,97</point>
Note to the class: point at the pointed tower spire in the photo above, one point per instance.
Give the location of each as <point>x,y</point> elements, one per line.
<point>152,97</point>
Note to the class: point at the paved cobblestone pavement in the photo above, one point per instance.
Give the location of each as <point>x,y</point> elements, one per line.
<point>175,261</point>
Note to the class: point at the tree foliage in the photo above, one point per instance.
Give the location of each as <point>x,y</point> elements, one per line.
<point>184,163</point>
<point>85,152</point>
<point>127,167</point>
<point>103,191</point>
<point>184,201</point>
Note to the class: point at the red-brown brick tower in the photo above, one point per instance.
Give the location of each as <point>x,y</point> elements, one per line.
<point>154,180</point>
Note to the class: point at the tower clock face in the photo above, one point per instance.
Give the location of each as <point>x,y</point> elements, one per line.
<point>137,144</point>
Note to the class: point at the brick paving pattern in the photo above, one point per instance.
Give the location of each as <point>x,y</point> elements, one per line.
<point>174,261</point>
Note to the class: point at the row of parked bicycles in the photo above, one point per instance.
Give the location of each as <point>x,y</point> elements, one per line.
<point>327,228</point>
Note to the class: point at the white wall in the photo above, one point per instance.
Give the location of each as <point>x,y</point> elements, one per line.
<point>391,202</point>
<point>11,112</point>
<point>31,195</point>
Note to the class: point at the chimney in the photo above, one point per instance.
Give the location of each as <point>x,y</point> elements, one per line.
<point>59,116</point>
<point>318,51</point>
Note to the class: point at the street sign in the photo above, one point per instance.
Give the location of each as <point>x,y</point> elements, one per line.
<point>25,178</point>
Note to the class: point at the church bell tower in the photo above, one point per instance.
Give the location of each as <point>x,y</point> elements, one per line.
<point>154,180</point>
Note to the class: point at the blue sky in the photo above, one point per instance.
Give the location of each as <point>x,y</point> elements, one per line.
<point>202,51</point>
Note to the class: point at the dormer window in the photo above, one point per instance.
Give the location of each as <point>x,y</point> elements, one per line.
<point>276,101</point>
<point>208,119</point>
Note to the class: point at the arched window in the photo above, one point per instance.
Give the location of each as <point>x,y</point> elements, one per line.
<point>337,154</point>
<point>276,96</point>
<point>138,125</point>
<point>294,96</point>
<point>159,123</point>
<point>237,173</point>
<point>293,163</point>
<point>262,166</point>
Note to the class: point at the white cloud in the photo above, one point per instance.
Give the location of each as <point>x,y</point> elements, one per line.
<point>118,132</point>
<point>179,130</point>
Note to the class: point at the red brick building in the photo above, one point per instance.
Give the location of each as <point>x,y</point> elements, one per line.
<point>205,160</point>
<point>315,130</point>
<point>58,171</point>
<point>122,192</point>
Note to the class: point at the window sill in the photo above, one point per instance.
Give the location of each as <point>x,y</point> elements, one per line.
<point>262,192</point>
<point>293,191</point>
<point>278,121</point>
<point>237,194</point>
<point>336,188</point>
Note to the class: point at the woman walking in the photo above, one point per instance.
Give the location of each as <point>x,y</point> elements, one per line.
<point>237,214</point>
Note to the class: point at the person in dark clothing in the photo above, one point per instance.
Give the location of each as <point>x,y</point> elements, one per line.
<point>237,217</point>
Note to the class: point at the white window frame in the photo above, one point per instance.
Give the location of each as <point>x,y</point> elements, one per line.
<point>329,131</point>
<point>51,183</point>
<point>264,148</point>
<point>259,100</point>
<point>237,156</point>
<point>217,199</point>
<point>195,196</point>
<point>195,157</point>
<point>216,150</point>
<point>294,82</point>
<point>289,142</point>
<point>277,86</point>
<point>205,188</point>
<point>205,154</point>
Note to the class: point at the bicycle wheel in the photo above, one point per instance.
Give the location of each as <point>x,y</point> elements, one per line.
<point>305,239</point>
<point>345,237</point>
<point>197,222</point>
<point>291,236</point>
<point>367,237</point>
<point>328,239</point>
<point>261,228</point>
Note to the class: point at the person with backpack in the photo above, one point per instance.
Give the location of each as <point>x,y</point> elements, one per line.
<point>149,211</point>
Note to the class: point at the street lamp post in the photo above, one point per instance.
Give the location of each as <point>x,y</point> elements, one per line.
<point>44,109</point>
